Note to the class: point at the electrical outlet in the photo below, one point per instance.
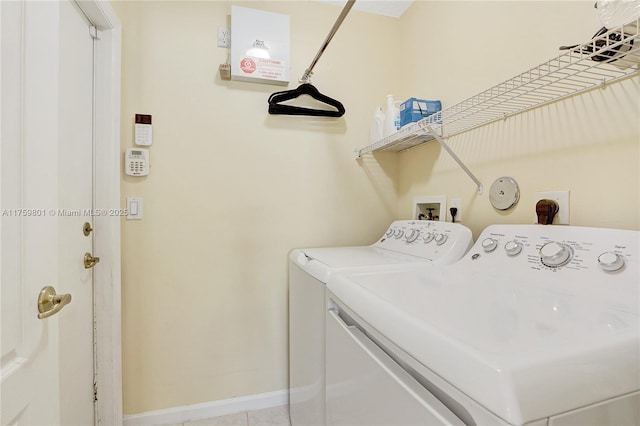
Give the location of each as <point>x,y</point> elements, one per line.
<point>224,37</point>
<point>457,203</point>
<point>560,197</point>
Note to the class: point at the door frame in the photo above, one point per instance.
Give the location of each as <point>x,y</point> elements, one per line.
<point>107,174</point>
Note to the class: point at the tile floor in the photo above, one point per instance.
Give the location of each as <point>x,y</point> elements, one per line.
<point>275,416</point>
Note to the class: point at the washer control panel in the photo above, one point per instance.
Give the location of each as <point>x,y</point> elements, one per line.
<point>556,248</point>
<point>432,240</point>
<point>572,275</point>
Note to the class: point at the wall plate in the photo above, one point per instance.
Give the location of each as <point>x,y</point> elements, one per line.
<point>457,203</point>
<point>504,193</point>
<point>434,204</point>
<point>560,197</point>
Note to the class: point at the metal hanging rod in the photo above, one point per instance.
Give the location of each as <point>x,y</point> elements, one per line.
<point>306,77</point>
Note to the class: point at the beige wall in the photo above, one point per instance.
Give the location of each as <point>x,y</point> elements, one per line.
<point>232,190</point>
<point>588,144</point>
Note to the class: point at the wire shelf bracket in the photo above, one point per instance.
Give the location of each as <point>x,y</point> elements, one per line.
<point>432,132</point>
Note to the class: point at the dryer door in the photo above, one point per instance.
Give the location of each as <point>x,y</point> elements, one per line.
<point>365,386</point>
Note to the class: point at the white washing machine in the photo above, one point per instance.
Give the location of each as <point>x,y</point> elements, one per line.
<point>405,243</point>
<point>536,325</point>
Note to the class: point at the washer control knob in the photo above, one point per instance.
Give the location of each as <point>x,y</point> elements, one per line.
<point>428,237</point>
<point>441,239</point>
<point>390,232</point>
<point>513,248</point>
<point>398,234</point>
<point>412,235</point>
<point>610,262</point>
<point>489,244</point>
<point>555,254</point>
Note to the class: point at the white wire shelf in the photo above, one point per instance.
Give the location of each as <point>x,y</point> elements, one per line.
<point>607,58</point>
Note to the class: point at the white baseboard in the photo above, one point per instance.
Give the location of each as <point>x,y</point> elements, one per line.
<point>210,409</point>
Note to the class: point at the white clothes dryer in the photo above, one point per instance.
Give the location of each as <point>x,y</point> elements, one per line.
<point>405,243</point>
<point>536,325</point>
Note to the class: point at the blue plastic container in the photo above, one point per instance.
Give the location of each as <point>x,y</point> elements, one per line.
<point>414,109</point>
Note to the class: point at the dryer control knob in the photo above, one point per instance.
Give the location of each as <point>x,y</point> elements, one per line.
<point>441,239</point>
<point>610,262</point>
<point>489,244</point>
<point>398,234</point>
<point>555,254</point>
<point>412,235</point>
<point>428,237</point>
<point>513,248</point>
<point>390,232</point>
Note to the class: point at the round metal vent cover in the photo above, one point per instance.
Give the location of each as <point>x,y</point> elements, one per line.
<point>504,193</point>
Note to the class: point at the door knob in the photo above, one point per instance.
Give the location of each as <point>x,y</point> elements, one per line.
<point>50,303</point>
<point>90,261</point>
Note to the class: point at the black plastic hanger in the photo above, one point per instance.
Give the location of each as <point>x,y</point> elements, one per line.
<point>304,89</point>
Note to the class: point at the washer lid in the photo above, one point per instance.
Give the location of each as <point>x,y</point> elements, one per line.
<point>350,257</point>
<point>521,352</point>
<point>323,262</point>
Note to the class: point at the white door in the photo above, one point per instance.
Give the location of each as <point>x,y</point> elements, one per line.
<point>46,197</point>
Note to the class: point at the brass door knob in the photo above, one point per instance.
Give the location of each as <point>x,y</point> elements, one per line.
<point>90,261</point>
<point>50,303</point>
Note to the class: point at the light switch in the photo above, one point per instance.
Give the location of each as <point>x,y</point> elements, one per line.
<point>134,207</point>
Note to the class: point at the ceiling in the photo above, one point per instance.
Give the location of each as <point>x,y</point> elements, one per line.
<point>394,8</point>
